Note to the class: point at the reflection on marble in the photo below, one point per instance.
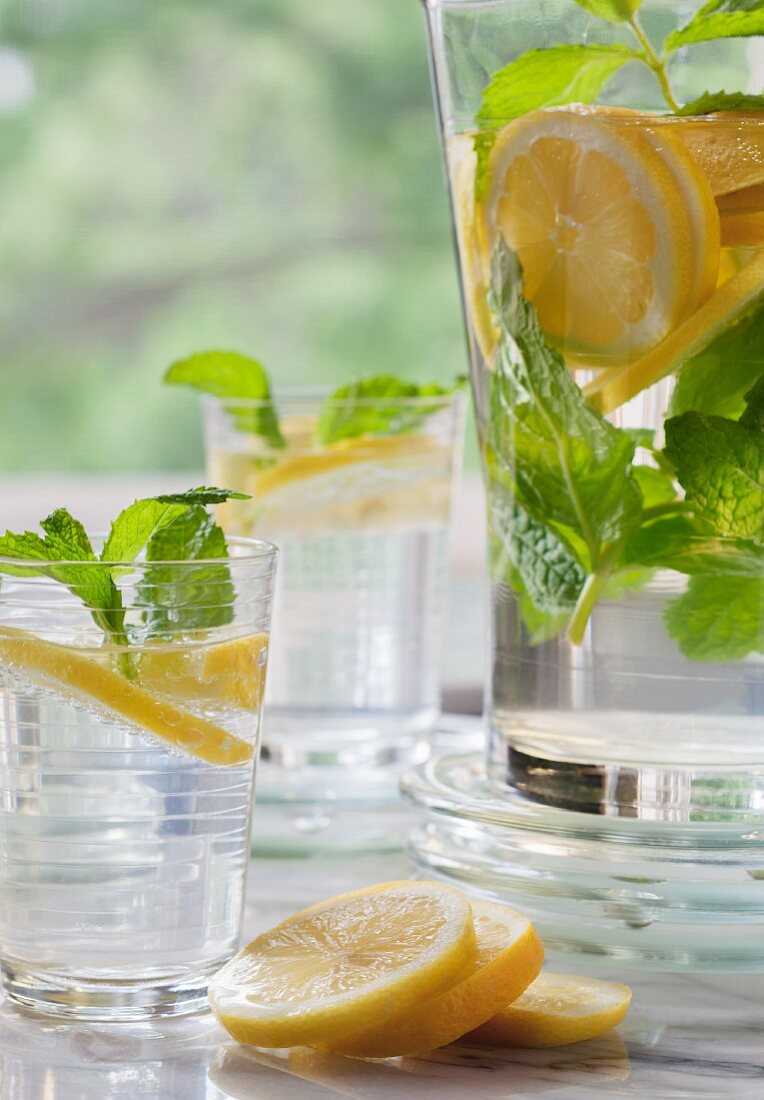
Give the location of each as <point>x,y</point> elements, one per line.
<point>685,1037</point>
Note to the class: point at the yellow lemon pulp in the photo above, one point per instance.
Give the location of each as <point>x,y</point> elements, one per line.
<point>338,966</point>
<point>231,672</point>
<point>509,957</point>
<point>616,229</point>
<point>556,1009</point>
<point>728,304</point>
<point>85,678</point>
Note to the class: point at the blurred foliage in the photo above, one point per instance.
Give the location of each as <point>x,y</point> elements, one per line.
<point>257,174</point>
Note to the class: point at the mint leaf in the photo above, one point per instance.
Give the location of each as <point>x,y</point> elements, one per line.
<point>720,465</point>
<point>548,78</point>
<point>194,598</point>
<point>685,545</point>
<point>656,486</point>
<point>717,379</point>
<point>543,78</point>
<point>376,406</point>
<point>719,19</point>
<point>205,494</point>
<point>723,101</point>
<point>65,544</point>
<point>718,618</point>
<point>133,528</point>
<point>753,416</point>
<point>550,574</point>
<point>615,11</point>
<point>567,466</point>
<point>229,374</point>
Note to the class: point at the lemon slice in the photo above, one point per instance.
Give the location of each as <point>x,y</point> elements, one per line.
<point>474,258</point>
<point>727,146</point>
<point>231,672</point>
<point>340,965</point>
<point>86,679</point>
<point>613,254</point>
<point>555,1010</point>
<point>345,452</point>
<point>509,956</point>
<point>723,309</point>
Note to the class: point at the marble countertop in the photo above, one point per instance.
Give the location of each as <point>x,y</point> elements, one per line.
<point>685,1037</point>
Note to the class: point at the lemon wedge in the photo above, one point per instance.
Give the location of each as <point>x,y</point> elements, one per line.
<point>615,227</point>
<point>75,674</point>
<point>723,309</point>
<point>231,672</point>
<point>341,964</point>
<point>345,452</point>
<point>555,1010</point>
<point>509,957</point>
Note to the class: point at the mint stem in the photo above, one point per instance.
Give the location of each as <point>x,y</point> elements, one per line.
<point>590,594</point>
<point>657,64</point>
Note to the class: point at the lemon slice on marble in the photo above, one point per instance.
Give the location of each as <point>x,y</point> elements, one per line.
<point>509,957</point>
<point>341,964</point>
<point>555,1010</point>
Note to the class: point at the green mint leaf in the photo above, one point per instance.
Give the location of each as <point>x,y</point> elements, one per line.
<point>685,545</point>
<point>719,19</point>
<point>720,465</point>
<point>656,486</point>
<point>723,101</point>
<point>551,576</point>
<point>718,618</point>
<point>717,378</point>
<point>543,78</point>
<point>194,598</point>
<point>753,415</point>
<point>205,494</point>
<point>564,463</point>
<point>549,78</point>
<point>615,11</point>
<point>371,407</point>
<point>229,374</point>
<point>65,544</point>
<point>133,528</point>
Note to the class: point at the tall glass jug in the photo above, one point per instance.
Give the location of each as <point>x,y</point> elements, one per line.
<point>608,209</point>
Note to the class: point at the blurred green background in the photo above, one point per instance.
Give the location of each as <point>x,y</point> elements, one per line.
<point>183,174</point>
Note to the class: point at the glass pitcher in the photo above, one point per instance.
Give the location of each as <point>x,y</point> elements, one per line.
<point>608,210</point>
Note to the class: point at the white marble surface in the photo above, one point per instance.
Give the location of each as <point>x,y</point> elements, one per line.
<point>685,1037</point>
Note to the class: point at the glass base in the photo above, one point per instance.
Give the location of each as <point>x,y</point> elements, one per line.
<point>332,810</point>
<point>660,894</point>
<point>76,998</point>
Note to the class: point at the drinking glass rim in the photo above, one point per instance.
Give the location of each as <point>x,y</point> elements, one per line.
<point>258,550</point>
<point>312,394</point>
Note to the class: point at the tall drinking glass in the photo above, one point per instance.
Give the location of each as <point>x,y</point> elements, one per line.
<point>126,781</point>
<point>362,525</point>
<point>608,206</point>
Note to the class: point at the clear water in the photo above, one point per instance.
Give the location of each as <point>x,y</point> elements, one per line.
<point>120,861</point>
<point>624,724</point>
<point>357,617</point>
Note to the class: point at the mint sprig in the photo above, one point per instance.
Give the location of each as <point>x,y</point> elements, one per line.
<point>719,19</point>
<point>563,74</point>
<point>228,374</point>
<point>147,528</point>
<point>574,521</point>
<point>377,406</point>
